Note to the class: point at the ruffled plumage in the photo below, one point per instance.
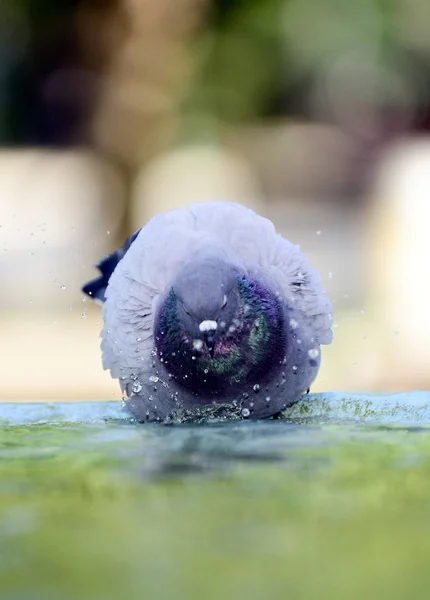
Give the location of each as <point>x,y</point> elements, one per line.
<point>146,271</point>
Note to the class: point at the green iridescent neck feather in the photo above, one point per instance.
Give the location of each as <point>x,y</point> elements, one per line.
<point>248,351</point>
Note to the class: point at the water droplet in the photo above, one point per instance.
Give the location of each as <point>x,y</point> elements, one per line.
<point>138,339</point>
<point>83,315</point>
<point>137,387</point>
<point>153,378</point>
<point>295,367</point>
<point>313,353</point>
<point>267,398</point>
<point>293,324</point>
<point>206,371</point>
<point>62,287</point>
<point>256,388</point>
<point>245,412</point>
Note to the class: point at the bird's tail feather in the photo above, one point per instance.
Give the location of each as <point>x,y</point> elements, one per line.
<point>96,288</point>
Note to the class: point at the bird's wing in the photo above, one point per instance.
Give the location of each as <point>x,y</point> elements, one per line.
<point>303,288</point>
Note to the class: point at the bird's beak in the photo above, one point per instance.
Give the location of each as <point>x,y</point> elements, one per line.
<point>208,329</point>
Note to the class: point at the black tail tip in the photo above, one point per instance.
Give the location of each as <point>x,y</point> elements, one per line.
<point>96,289</point>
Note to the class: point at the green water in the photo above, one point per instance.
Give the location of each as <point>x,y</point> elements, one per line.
<point>333,501</point>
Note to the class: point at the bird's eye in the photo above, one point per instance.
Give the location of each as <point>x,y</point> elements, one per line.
<point>224,302</point>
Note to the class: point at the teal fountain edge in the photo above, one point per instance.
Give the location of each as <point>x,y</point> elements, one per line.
<point>409,408</point>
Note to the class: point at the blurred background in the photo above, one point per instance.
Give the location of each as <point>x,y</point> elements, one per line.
<point>314,113</point>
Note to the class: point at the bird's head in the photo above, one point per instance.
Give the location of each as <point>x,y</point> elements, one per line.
<point>206,294</point>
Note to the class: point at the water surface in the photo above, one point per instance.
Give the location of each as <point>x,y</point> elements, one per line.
<point>332,501</point>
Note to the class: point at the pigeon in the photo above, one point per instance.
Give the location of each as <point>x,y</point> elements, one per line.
<point>209,307</point>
